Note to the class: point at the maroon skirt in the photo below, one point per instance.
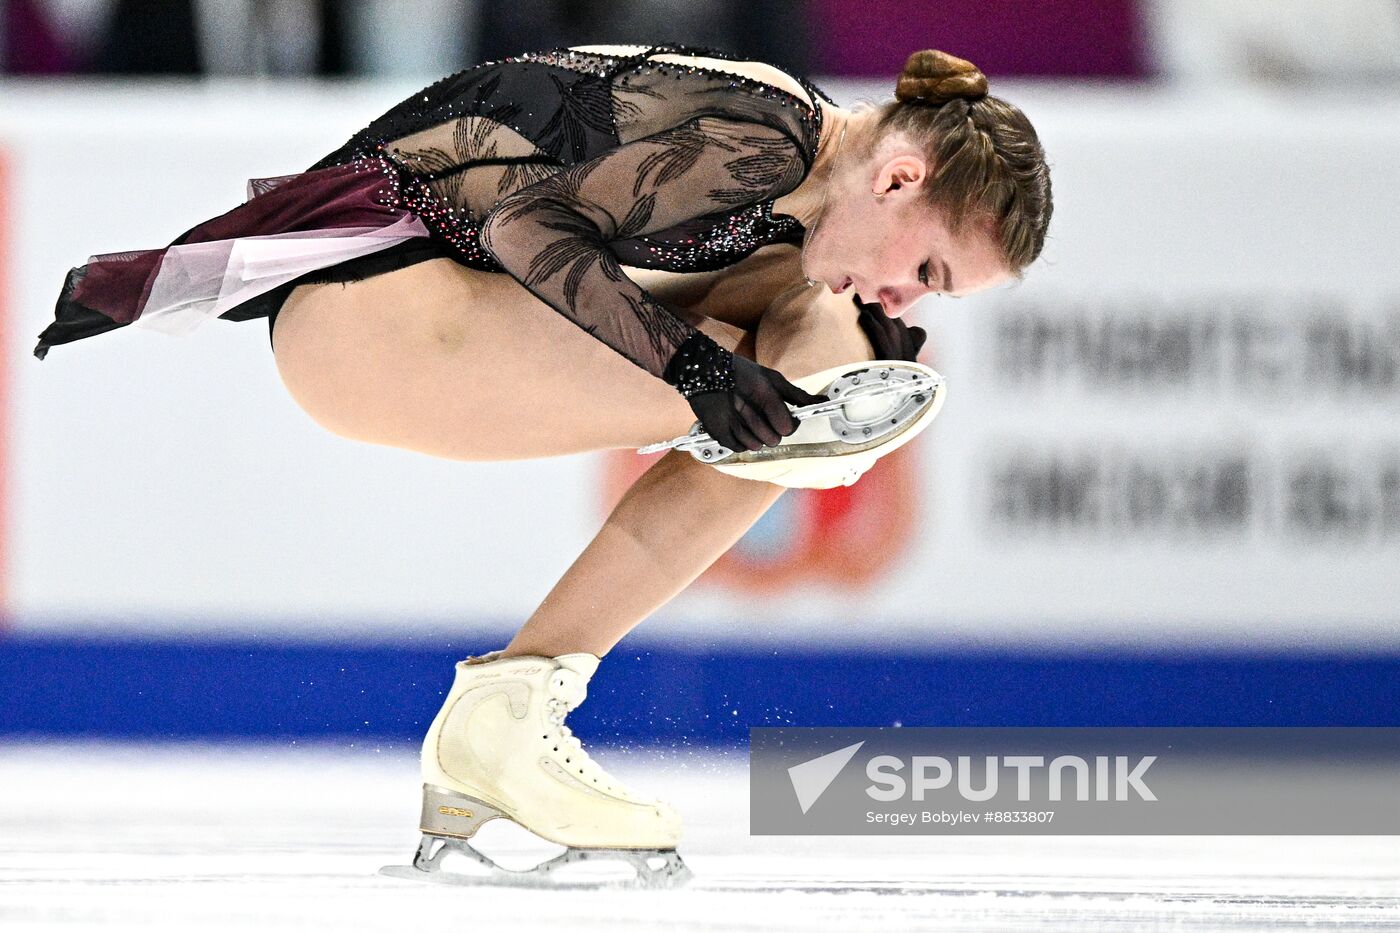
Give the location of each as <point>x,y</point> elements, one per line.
<point>290,226</point>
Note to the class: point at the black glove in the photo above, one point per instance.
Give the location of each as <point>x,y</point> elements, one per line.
<point>890,336</point>
<point>738,402</point>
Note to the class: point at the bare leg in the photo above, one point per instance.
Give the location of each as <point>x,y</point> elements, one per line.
<point>465,365</point>
<point>674,521</point>
<point>679,516</point>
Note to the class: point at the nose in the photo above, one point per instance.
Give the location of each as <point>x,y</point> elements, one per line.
<point>897,300</point>
<point>889,300</point>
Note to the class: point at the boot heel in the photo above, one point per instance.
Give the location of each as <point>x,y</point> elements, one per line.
<point>448,813</point>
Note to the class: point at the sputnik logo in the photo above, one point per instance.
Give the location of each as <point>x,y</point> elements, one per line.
<point>811,778</point>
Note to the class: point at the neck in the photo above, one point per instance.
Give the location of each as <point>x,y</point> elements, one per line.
<point>805,202</point>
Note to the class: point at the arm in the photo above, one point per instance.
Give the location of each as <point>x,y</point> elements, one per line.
<point>552,236</point>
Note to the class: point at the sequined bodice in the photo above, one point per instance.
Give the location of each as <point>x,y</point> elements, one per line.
<point>557,167</point>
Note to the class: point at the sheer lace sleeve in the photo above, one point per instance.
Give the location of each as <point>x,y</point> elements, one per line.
<point>552,236</point>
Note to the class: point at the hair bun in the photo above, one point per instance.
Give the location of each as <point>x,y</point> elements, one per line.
<point>936,77</point>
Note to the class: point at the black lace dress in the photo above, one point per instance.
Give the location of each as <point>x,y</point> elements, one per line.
<point>554,167</point>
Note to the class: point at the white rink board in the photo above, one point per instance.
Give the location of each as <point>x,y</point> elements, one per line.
<point>1250,244</point>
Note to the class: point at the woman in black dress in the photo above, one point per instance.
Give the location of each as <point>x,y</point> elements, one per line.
<point>451,281</point>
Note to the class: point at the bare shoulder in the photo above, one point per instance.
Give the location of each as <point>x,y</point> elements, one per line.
<point>759,71</point>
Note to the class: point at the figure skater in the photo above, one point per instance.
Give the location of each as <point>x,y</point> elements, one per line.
<point>451,281</point>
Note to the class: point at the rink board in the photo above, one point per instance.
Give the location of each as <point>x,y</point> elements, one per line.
<point>667,693</point>
<point>1165,488</point>
<point>1180,430</point>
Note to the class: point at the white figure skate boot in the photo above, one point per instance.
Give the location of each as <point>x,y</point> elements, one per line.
<point>876,407</point>
<point>499,748</point>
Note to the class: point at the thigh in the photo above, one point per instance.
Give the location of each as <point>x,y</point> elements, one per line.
<point>459,363</point>
<point>738,295</point>
<point>464,364</point>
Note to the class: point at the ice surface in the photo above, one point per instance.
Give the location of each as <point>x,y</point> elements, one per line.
<point>291,836</point>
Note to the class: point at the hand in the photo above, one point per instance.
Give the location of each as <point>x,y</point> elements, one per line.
<point>754,412</point>
<point>890,336</point>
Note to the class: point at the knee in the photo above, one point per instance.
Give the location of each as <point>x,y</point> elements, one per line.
<point>810,332</point>
<point>748,346</point>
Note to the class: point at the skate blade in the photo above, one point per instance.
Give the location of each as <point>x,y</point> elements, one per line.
<point>654,868</point>
<point>871,406</point>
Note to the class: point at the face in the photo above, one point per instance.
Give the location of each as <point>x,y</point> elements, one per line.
<point>892,249</point>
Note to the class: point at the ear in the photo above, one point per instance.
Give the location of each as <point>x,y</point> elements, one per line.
<point>902,171</point>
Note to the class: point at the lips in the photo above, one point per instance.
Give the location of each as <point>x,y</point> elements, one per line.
<point>845,283</point>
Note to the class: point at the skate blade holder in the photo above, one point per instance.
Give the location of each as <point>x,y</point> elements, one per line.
<point>450,822</point>
<point>649,868</point>
<point>874,408</point>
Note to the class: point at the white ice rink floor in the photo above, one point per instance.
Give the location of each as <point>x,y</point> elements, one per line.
<point>290,837</point>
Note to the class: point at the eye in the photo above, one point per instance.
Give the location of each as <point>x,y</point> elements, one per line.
<point>923,273</point>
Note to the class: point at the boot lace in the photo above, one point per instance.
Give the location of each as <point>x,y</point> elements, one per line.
<point>566,692</point>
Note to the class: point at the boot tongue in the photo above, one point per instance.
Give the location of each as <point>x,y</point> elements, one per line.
<point>581,663</point>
